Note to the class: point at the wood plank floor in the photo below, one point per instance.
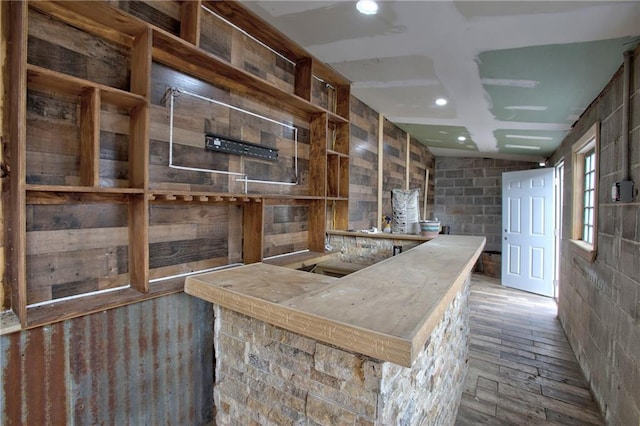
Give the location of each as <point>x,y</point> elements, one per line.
<point>521,368</point>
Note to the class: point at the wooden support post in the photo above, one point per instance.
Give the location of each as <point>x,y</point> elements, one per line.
<point>17,56</point>
<point>139,243</point>
<point>317,223</point>
<point>304,78</point>
<point>190,13</point>
<point>343,100</point>
<point>380,167</point>
<point>318,155</point>
<point>90,138</point>
<point>407,163</point>
<point>252,232</point>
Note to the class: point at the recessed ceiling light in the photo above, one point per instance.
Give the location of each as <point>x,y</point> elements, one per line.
<point>367,7</point>
<point>441,101</point>
<point>533,148</point>
<point>462,138</point>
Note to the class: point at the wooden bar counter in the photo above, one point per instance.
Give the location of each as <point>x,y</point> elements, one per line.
<point>386,311</point>
<point>387,344</point>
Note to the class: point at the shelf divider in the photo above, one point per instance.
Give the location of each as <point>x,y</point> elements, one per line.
<point>252,232</point>
<point>90,138</point>
<point>190,15</point>
<point>17,52</point>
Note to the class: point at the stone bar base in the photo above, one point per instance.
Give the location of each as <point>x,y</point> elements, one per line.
<point>369,249</point>
<point>267,375</point>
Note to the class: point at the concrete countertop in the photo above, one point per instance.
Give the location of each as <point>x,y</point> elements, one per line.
<point>386,311</point>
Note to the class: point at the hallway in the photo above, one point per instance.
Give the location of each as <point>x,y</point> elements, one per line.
<point>521,367</point>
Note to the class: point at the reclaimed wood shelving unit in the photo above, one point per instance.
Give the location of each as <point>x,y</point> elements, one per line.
<point>88,184</point>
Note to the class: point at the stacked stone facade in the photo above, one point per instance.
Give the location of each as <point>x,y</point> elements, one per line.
<point>367,250</point>
<point>269,376</point>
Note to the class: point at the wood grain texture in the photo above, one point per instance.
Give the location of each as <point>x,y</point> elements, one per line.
<point>90,137</point>
<point>17,53</point>
<point>363,166</point>
<point>190,12</point>
<point>420,160</point>
<point>304,76</point>
<point>70,50</point>
<point>394,163</point>
<point>235,13</point>
<point>252,232</point>
<point>139,243</point>
<point>386,311</point>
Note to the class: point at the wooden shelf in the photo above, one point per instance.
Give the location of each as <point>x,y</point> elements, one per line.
<point>70,195</point>
<point>82,189</point>
<point>66,309</point>
<point>336,153</point>
<point>44,80</point>
<point>120,175</point>
<point>337,119</point>
<point>203,197</point>
<point>99,18</point>
<point>185,57</point>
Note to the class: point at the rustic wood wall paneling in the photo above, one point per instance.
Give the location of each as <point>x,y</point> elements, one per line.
<point>163,14</point>
<point>18,37</point>
<point>5,285</point>
<point>394,163</point>
<point>421,159</point>
<point>184,236</point>
<point>190,14</point>
<point>60,47</point>
<point>74,249</point>
<point>363,166</point>
<point>285,229</point>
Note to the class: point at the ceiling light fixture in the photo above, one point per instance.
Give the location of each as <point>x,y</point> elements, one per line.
<point>533,148</point>
<point>441,101</point>
<point>462,138</point>
<point>367,7</point>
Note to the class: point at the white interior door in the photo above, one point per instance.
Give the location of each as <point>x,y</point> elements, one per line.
<point>528,230</point>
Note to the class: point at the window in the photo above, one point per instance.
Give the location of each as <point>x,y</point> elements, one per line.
<point>585,193</point>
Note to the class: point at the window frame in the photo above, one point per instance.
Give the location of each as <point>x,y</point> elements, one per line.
<point>589,141</point>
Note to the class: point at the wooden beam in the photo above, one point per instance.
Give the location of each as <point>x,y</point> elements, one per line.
<point>252,232</point>
<point>17,56</point>
<point>380,167</point>
<point>141,63</point>
<point>304,78</point>
<point>317,223</point>
<point>139,243</point>
<point>407,162</point>
<point>318,155</point>
<point>190,14</point>
<point>90,138</point>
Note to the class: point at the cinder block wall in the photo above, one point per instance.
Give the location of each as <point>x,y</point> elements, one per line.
<point>469,195</point>
<point>599,303</point>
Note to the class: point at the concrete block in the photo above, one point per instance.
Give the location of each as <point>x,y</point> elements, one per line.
<point>473,191</point>
<point>452,192</point>
<point>476,172</point>
<point>464,182</point>
<point>630,216</point>
<point>454,173</point>
<point>628,295</point>
<point>445,183</point>
<point>629,255</point>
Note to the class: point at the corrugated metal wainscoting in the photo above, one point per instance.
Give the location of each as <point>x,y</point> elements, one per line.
<point>148,363</point>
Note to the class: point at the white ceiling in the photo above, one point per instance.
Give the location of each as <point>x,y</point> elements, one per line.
<point>514,72</point>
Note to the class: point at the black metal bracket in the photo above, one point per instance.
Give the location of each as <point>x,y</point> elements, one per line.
<point>219,143</point>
